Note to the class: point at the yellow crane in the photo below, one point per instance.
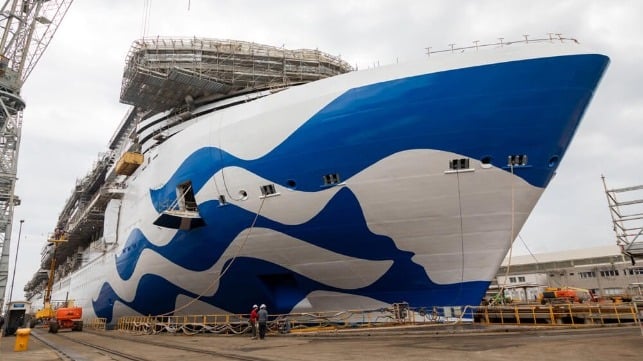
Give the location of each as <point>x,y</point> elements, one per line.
<point>65,315</point>
<point>48,312</point>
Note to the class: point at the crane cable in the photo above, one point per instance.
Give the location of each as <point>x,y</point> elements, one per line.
<point>511,236</point>
<point>457,172</point>
<point>225,269</point>
<point>239,249</point>
<point>147,6</point>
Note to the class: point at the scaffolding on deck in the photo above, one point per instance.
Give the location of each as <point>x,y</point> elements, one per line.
<point>163,73</point>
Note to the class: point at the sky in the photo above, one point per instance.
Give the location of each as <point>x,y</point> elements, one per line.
<point>73,106</point>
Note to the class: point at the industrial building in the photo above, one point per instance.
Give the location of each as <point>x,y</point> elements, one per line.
<point>603,270</point>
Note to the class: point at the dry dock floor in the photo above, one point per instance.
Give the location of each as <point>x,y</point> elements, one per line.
<point>623,343</point>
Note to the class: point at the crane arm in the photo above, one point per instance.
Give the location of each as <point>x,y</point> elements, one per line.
<point>28,26</point>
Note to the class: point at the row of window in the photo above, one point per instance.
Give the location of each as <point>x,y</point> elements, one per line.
<point>611,273</point>
<point>187,200</point>
<point>591,274</point>
<point>464,163</point>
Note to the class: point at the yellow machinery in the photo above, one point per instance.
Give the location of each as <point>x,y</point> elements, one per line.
<point>566,295</point>
<point>48,312</point>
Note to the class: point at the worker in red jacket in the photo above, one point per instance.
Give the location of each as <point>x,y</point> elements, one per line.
<point>253,321</point>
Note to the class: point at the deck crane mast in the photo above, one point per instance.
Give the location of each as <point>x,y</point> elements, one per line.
<point>27,28</point>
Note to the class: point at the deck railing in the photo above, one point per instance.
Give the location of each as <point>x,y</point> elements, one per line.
<point>501,43</point>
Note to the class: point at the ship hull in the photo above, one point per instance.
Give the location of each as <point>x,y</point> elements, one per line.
<point>395,184</point>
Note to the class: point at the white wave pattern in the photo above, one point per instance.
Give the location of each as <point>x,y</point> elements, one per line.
<point>454,228</point>
<point>265,244</point>
<point>458,225</point>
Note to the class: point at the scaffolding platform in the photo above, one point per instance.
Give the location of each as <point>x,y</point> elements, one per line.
<point>626,209</point>
<point>163,73</point>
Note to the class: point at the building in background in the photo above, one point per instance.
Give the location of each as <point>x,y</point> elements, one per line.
<point>602,270</point>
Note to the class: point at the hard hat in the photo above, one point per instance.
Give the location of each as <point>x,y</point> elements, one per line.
<point>263,306</point>
<point>254,306</point>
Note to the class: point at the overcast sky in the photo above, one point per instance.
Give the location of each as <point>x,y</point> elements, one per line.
<point>73,93</point>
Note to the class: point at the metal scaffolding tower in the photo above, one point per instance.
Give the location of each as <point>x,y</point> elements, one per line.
<point>27,28</point>
<point>627,217</point>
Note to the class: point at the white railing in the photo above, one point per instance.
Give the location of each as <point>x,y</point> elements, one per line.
<point>501,43</point>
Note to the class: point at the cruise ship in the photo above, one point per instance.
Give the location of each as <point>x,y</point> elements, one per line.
<point>245,173</point>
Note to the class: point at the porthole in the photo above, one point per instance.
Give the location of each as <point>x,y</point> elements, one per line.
<point>553,161</point>
<point>243,195</point>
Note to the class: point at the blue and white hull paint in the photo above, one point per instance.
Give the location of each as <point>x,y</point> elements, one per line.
<point>399,225</point>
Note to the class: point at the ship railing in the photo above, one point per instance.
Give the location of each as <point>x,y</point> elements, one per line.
<point>552,37</point>
<point>568,315</point>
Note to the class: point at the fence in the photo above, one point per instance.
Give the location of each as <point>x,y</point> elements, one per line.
<point>399,315</point>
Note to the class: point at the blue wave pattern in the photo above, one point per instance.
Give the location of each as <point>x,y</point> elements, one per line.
<point>526,107</point>
<point>284,289</point>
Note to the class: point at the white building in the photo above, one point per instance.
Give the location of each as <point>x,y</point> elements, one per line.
<point>602,270</point>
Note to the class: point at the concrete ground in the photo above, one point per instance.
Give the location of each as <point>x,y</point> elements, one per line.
<point>624,343</point>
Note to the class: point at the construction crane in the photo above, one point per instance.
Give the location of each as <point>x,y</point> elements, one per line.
<point>27,28</point>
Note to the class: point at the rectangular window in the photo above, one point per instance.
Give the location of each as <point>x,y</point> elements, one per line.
<point>268,189</point>
<point>521,279</point>
<point>512,279</point>
<point>462,163</point>
<point>588,274</point>
<point>609,273</point>
<point>330,179</point>
<point>517,160</point>
<point>635,271</point>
